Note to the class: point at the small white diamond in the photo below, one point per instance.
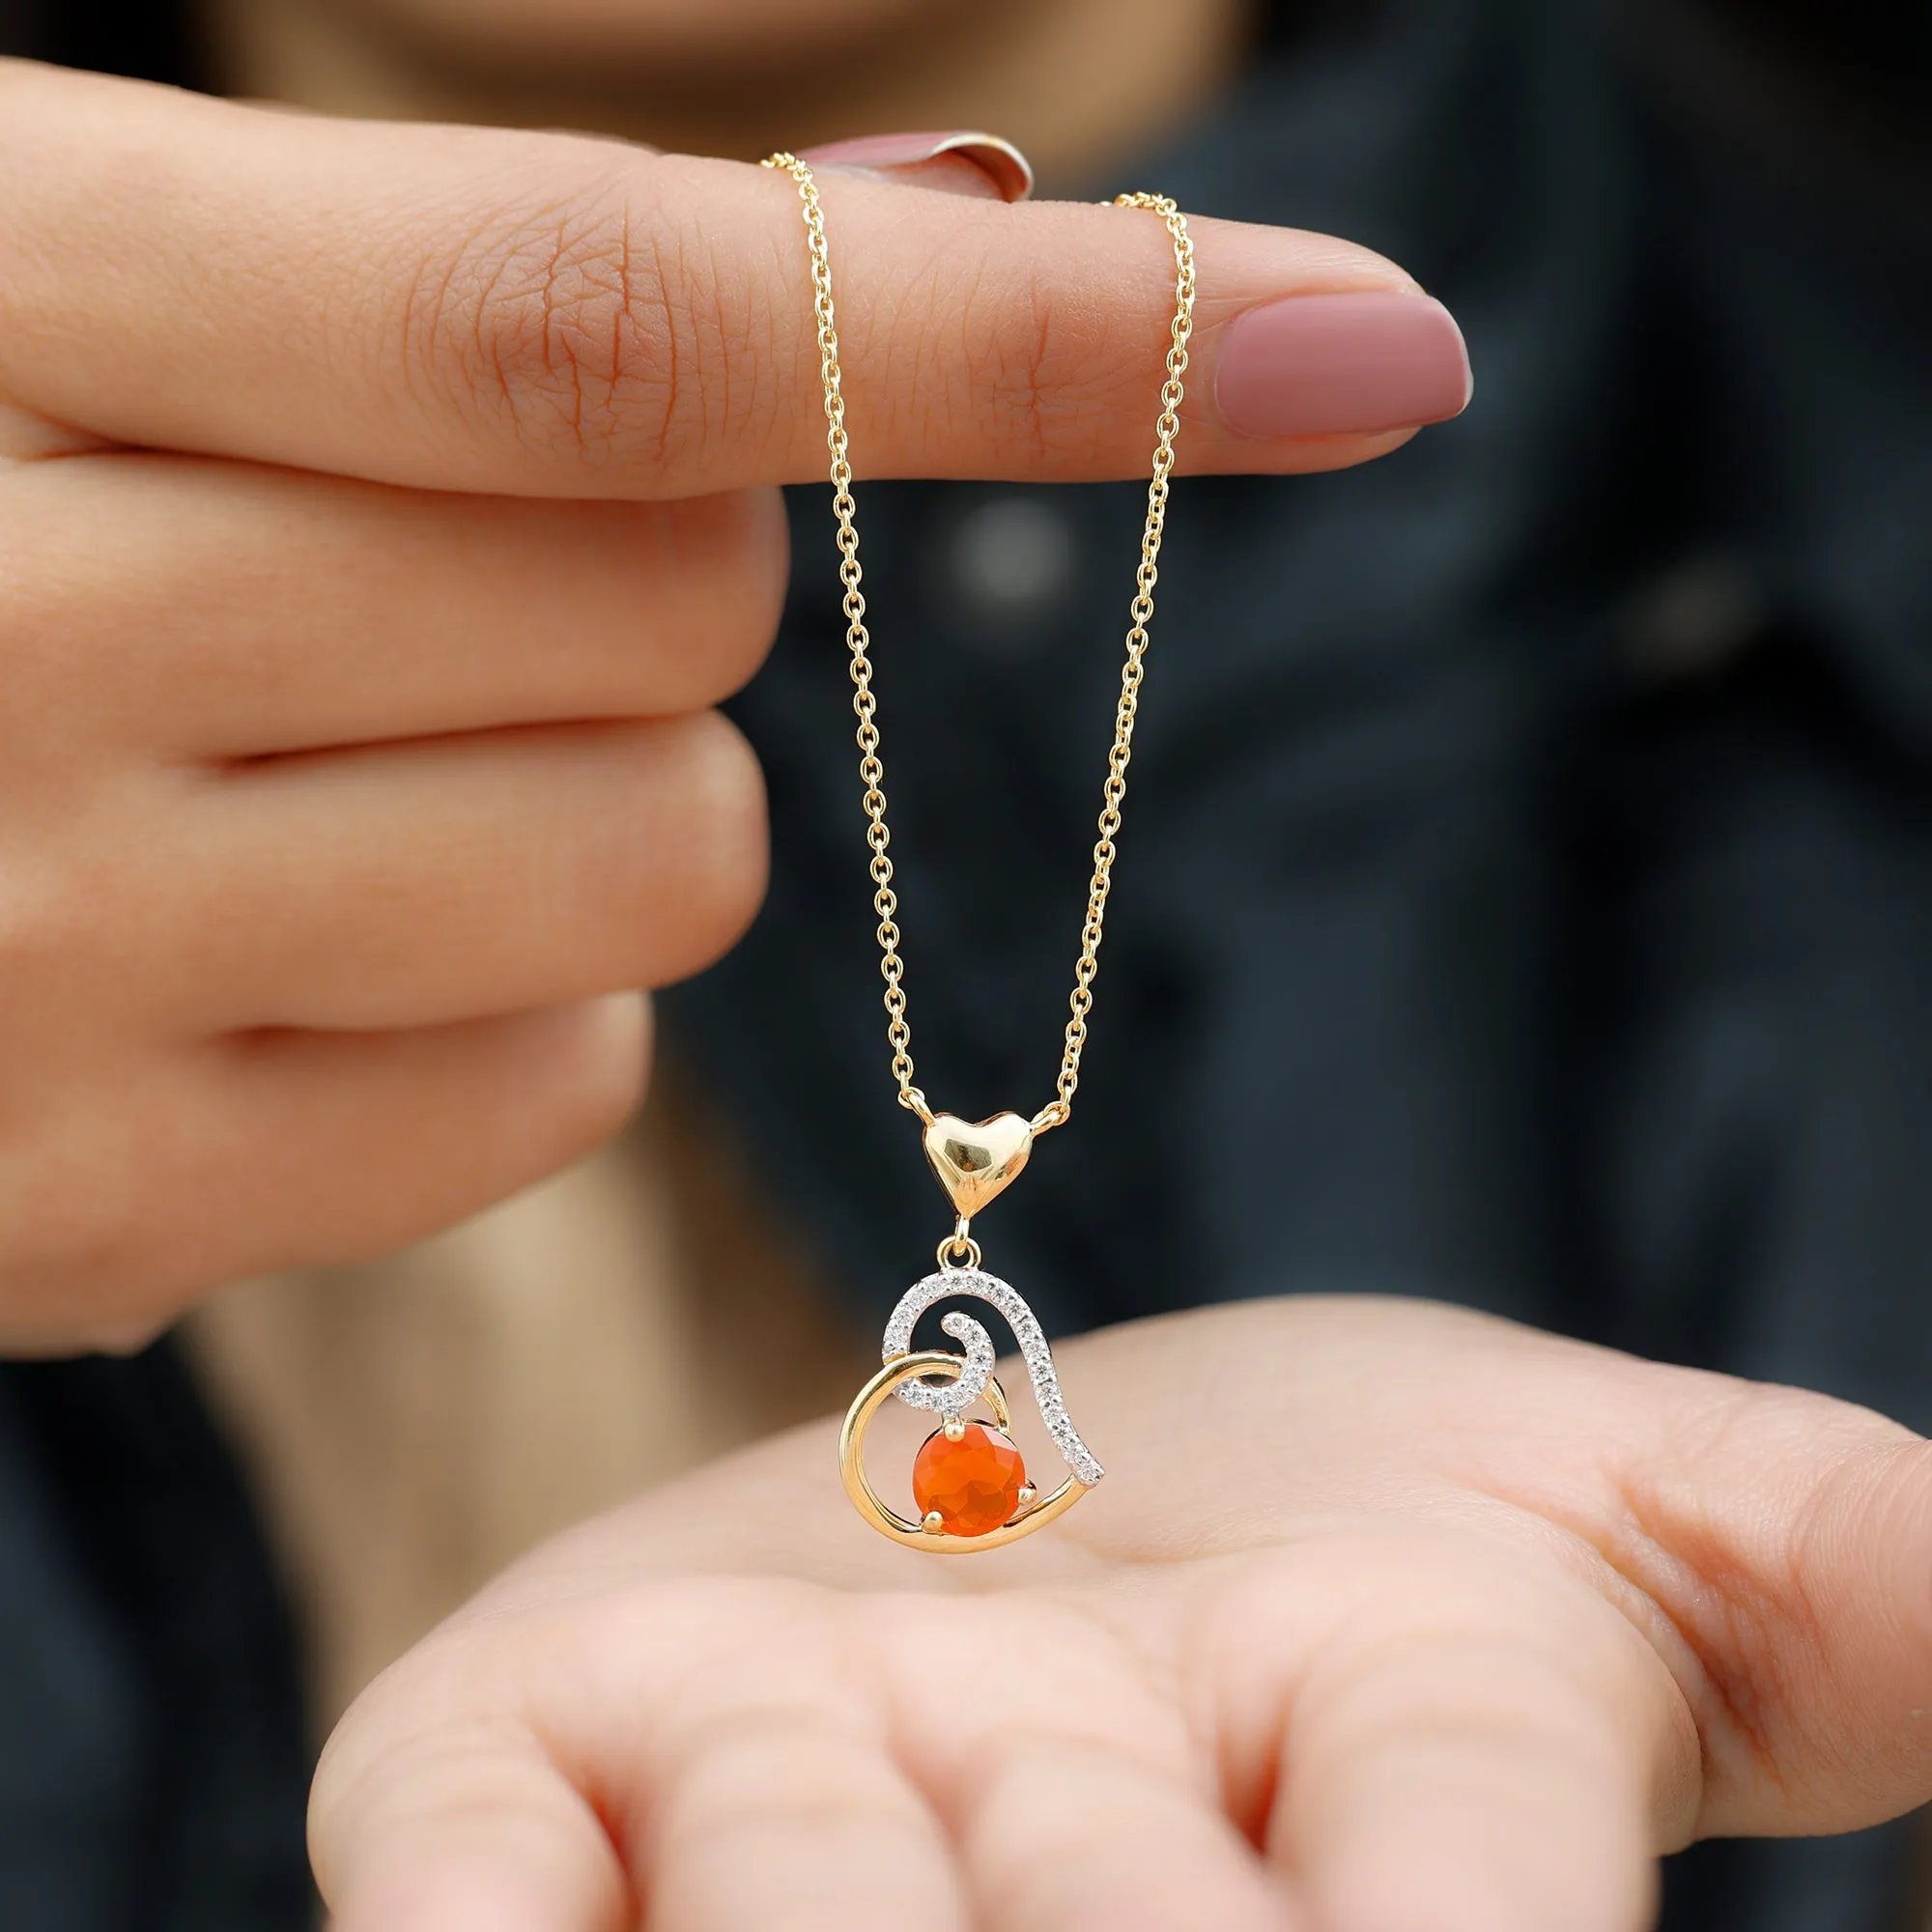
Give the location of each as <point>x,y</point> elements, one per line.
<point>953,1398</point>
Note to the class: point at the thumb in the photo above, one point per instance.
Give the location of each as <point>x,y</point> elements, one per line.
<point>1787,1539</point>
<point>477,309</point>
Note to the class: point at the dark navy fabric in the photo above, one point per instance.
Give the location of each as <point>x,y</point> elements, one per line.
<point>153,1755</point>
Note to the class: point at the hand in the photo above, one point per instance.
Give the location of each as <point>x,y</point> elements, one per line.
<point>351,766</point>
<point>1388,1618</point>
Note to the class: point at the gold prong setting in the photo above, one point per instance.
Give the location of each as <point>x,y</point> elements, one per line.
<point>927,1532</point>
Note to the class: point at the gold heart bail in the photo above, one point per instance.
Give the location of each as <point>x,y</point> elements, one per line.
<point>976,1161</point>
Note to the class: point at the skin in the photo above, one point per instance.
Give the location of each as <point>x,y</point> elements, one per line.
<point>1389,1618</point>
<point>386,506</point>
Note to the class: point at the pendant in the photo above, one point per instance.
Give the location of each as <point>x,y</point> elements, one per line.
<point>976,1161</point>
<point>968,1482</point>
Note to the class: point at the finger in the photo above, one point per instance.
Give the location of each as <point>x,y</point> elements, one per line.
<point>1459,1787</point>
<point>1065,1837</point>
<point>465,1828</point>
<point>1076,1794</point>
<point>790,1820</point>
<point>297,1148</point>
<point>234,610</point>
<point>459,877</point>
<point>360,1142</point>
<point>1471,1744</point>
<point>744,1759</point>
<point>1776,1545</point>
<point>533,314</point>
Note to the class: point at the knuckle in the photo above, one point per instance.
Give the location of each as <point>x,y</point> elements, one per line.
<point>1012,355</point>
<point>47,595</point>
<point>605,1067</point>
<point>66,912</point>
<point>736,549</point>
<point>1029,380</point>
<point>577,327</point>
<point>701,869</point>
<point>728,857</point>
<point>89,1261</point>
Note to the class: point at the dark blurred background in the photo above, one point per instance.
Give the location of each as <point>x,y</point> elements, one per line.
<point>1527,893</point>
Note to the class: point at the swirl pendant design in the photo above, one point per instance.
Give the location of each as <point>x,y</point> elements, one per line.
<point>977,1479</point>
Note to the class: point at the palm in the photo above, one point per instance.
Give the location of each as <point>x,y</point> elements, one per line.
<point>1390,1620</point>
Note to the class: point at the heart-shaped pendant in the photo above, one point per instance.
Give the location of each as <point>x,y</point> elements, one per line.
<point>984,1499</point>
<point>977,1160</point>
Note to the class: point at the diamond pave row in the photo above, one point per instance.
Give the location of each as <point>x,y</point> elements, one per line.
<point>953,1398</point>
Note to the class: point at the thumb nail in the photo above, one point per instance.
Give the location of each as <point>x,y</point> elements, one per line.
<point>964,161</point>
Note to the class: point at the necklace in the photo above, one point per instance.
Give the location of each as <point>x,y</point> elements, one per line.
<point>968,1482</point>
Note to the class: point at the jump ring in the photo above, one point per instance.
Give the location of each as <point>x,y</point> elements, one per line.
<point>954,1247</point>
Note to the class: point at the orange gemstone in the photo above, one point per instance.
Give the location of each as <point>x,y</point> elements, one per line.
<point>975,1483</point>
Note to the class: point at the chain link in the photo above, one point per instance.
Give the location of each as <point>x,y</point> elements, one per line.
<point>858,638</point>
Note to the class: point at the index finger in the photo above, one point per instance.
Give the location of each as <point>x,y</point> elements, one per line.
<point>541,314</point>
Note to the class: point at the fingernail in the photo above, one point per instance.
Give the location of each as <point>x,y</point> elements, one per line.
<point>1000,161</point>
<point>1341,364</point>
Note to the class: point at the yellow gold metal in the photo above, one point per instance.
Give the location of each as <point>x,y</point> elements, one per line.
<point>957,1250</point>
<point>858,638</point>
<point>919,1534</point>
<point>976,1161</point>
<point>956,1430</point>
<point>934,1522</point>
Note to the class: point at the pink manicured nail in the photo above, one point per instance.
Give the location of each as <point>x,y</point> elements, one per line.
<point>1003,163</point>
<point>1331,365</point>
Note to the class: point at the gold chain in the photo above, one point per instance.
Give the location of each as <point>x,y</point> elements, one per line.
<point>865,707</point>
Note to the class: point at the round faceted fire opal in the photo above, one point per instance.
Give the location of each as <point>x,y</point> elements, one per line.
<point>974,1485</point>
